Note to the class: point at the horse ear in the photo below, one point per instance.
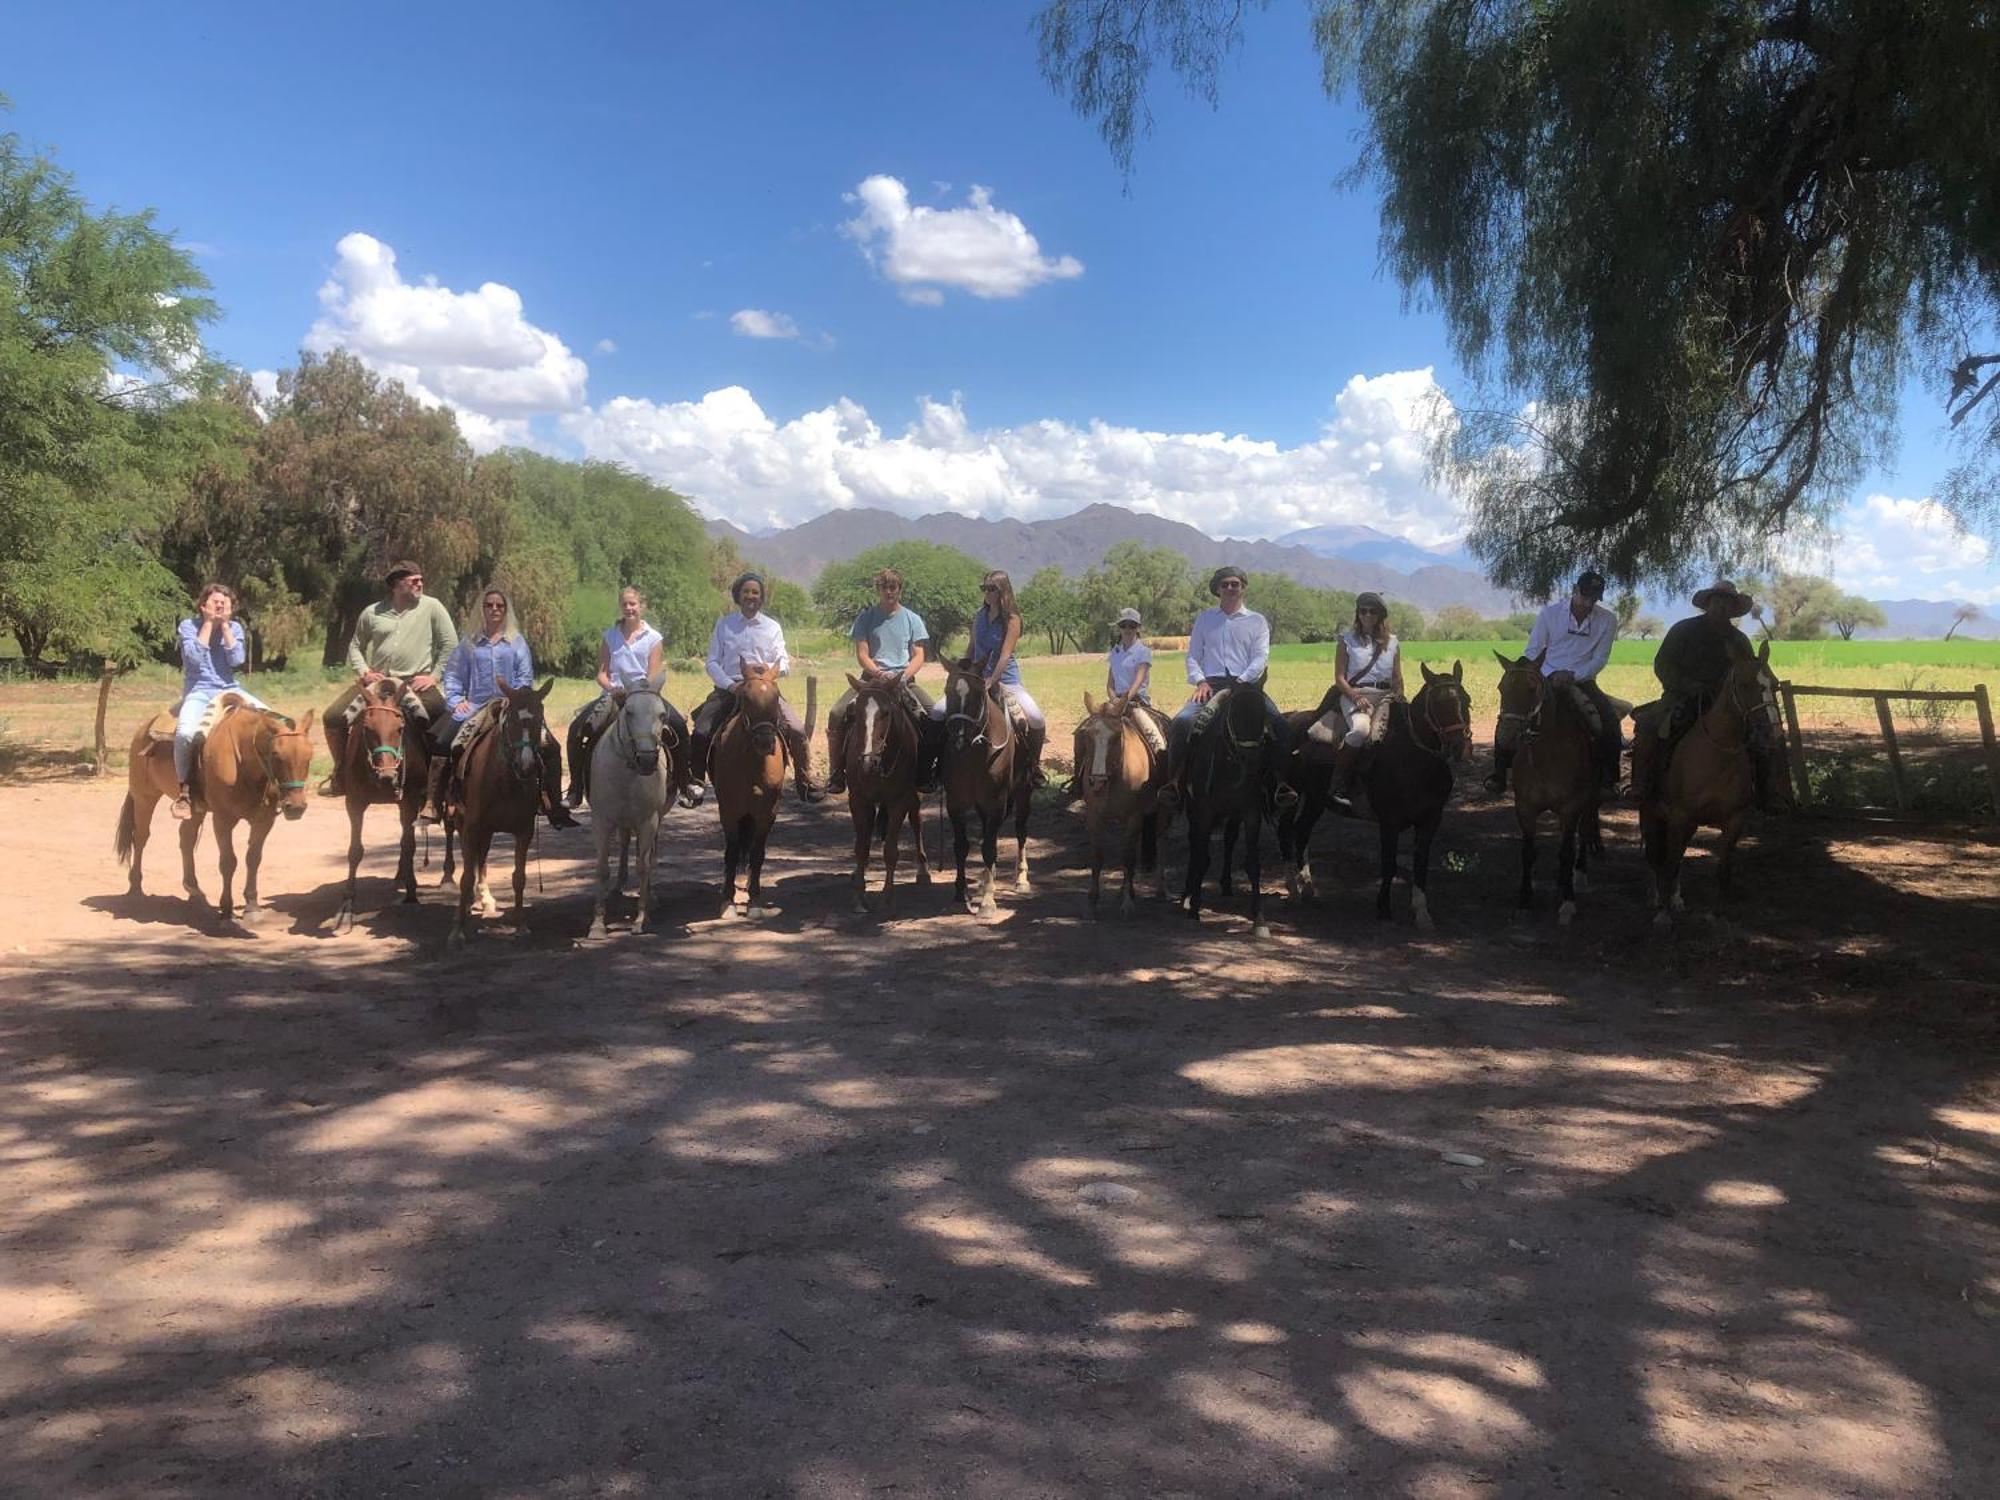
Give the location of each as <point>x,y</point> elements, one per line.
<point>1429,675</point>
<point>306,724</point>
<point>1540,657</point>
<point>1502,657</point>
<point>1089,705</point>
<point>658,681</point>
<point>854,682</point>
<point>1764,654</point>
<point>1458,671</point>
<point>548,686</point>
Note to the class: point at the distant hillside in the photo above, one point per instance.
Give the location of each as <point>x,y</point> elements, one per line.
<point>1079,541</point>
<point>1929,619</point>
<point>1364,544</point>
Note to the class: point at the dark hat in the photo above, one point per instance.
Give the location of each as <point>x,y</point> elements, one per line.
<point>1227,570</point>
<point>1740,603</point>
<point>403,568</point>
<point>1590,584</point>
<point>736,588</point>
<point>1369,598</point>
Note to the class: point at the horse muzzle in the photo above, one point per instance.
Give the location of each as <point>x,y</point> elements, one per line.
<point>293,811</point>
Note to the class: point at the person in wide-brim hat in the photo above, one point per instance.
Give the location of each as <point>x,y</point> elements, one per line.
<point>1740,603</point>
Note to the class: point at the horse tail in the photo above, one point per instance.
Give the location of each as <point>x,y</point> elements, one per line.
<point>122,842</point>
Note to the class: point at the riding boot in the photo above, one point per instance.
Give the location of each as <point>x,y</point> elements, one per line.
<point>553,806</point>
<point>930,755</point>
<point>440,768</point>
<point>1496,784</point>
<point>1033,738</point>
<point>336,746</point>
<point>580,742</point>
<point>1340,788</point>
<point>802,781</point>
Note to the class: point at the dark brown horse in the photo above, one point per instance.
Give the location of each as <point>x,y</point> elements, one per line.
<point>1554,751</point>
<point>746,765</point>
<point>1225,785</point>
<point>254,765</point>
<point>881,757</point>
<point>500,779</point>
<point>1120,777</point>
<point>1709,782</point>
<point>985,771</point>
<point>386,762</point>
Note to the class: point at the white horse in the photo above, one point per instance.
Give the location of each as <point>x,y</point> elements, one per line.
<point>631,787</point>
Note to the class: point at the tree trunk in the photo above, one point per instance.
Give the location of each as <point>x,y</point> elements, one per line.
<point>104,682</point>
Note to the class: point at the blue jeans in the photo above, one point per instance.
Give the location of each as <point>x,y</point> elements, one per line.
<point>193,706</point>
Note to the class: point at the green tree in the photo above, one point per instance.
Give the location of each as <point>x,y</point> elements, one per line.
<point>100,318</point>
<point>1157,581</point>
<point>1690,250</point>
<point>1626,606</point>
<point>1647,626</point>
<point>1052,605</point>
<point>940,583</point>
<point>1457,622</point>
<point>1965,614</point>
<point>1799,607</point>
<point>1521,623</point>
<point>1851,612</point>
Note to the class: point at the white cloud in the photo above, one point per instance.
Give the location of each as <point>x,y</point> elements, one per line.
<point>1898,548</point>
<point>726,452</point>
<point>978,248</point>
<point>605,346</point>
<point>473,351</point>
<point>755,323</point>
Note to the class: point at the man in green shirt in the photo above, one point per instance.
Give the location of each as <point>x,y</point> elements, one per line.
<point>407,635</point>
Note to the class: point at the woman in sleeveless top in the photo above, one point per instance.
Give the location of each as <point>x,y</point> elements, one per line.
<point>212,647</point>
<point>996,632</point>
<point>630,655</point>
<point>1367,668</point>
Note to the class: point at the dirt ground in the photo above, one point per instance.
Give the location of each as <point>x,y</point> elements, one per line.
<point>797,1208</point>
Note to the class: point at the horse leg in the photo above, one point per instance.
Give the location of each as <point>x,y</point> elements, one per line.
<point>191,882</point>
<point>1566,857</point>
<point>406,851</point>
<point>732,857</point>
<point>343,920</point>
<point>1725,858</point>
<point>604,829</point>
<point>476,840</point>
<point>961,845</point>
<point>253,856</point>
<point>1671,840</point>
<point>760,837</point>
<point>141,814</point>
<point>864,834</point>
<point>1023,805</point>
<point>989,850</point>
<point>1226,885</point>
<point>1420,869</point>
<point>892,832</point>
<point>917,840</point>
<point>1094,826</point>
<point>1197,870</point>
<point>1589,842</point>
<point>1389,834</point>
<point>1527,820</point>
<point>624,860</point>
<point>225,855</point>
<point>647,836</point>
<point>1253,870</point>
<point>522,843</point>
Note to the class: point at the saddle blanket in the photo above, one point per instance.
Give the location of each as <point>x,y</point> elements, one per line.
<point>412,706</point>
<point>160,728</point>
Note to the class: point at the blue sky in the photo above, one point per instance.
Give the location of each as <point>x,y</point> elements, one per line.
<point>573,225</point>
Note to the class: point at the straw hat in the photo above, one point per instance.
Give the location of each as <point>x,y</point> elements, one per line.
<point>1740,603</point>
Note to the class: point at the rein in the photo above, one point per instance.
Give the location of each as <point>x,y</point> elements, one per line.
<point>982,720</point>
<point>1728,701</point>
<point>618,728</point>
<point>264,749</point>
<point>858,720</point>
<point>1444,732</point>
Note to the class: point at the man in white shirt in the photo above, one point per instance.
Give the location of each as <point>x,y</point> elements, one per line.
<point>1230,644</point>
<point>1573,636</point>
<point>747,635</point>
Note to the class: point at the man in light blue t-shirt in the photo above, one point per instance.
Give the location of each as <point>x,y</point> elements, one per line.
<point>889,641</point>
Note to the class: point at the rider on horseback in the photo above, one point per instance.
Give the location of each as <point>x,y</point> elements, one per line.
<point>483,662</point>
<point>1574,637</point>
<point>211,651</point>
<point>1693,662</point>
<point>1229,645</point>
<point>408,635</point>
<point>1367,672</point>
<point>628,657</point>
<point>889,640</point>
<point>996,632</point>
<point>748,635</point>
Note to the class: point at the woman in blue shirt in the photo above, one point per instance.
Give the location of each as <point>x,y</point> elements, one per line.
<point>996,632</point>
<point>213,646</point>
<point>484,661</point>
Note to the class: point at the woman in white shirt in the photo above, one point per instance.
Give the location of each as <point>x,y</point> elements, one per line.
<point>747,634</point>
<point>632,653</point>
<point>1128,674</point>
<point>1367,669</point>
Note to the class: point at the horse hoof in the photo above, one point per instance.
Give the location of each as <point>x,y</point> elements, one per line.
<point>1662,922</point>
<point>251,916</point>
<point>455,940</point>
<point>1292,886</point>
<point>1565,914</point>
<point>860,907</point>
<point>597,929</point>
<point>1021,886</point>
<point>1580,883</point>
<point>1260,931</point>
<point>988,907</point>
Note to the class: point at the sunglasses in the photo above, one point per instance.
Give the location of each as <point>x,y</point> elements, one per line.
<point>989,588</point>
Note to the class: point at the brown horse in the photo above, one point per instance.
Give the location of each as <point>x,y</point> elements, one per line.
<point>501,791</point>
<point>983,773</point>
<point>1120,778</point>
<point>254,766</point>
<point>1554,752</point>
<point>880,751</point>
<point>746,765</point>
<point>1710,782</point>
<point>386,762</point>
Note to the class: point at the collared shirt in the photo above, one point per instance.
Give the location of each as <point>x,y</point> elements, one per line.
<point>1125,664</point>
<point>210,669</point>
<point>628,660</point>
<point>479,665</point>
<point>988,637</point>
<point>1577,646</point>
<point>1366,666</point>
<point>759,640</point>
<point>1696,654</point>
<point>403,642</point>
<point>1226,645</point>
<point>892,638</point>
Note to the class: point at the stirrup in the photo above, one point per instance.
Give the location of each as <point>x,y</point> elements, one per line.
<point>182,807</point>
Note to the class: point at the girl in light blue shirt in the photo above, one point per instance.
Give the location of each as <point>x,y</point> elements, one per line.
<point>213,646</point>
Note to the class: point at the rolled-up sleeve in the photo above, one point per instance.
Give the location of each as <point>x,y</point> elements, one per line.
<point>1600,649</point>
<point>718,674</point>
<point>522,665</point>
<point>1260,649</point>
<point>239,649</point>
<point>356,657</point>
<point>784,658</point>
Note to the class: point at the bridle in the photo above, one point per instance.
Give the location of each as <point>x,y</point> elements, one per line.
<point>266,753</point>
<point>641,762</point>
<point>1764,709</point>
<point>525,748</point>
<point>980,721</point>
<point>888,698</point>
<point>763,723</point>
<point>1458,729</point>
<point>1531,720</point>
<point>376,706</point>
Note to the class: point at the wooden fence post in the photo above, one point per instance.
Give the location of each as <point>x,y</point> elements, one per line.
<point>1795,743</point>
<point>812,704</point>
<point>1985,707</point>
<point>1888,723</point>
<point>104,681</point>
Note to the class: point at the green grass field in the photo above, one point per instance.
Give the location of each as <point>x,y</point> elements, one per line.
<point>1788,658</point>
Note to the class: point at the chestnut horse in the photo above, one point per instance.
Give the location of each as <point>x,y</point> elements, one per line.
<point>386,762</point>
<point>983,774</point>
<point>746,765</point>
<point>500,777</point>
<point>254,765</point>
<point>1120,777</point>
<point>1555,770</point>
<point>631,788</point>
<point>1709,782</point>
<point>881,757</point>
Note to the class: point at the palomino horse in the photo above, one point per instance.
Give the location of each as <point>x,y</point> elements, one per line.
<point>386,762</point>
<point>631,788</point>
<point>501,776</point>
<point>983,774</point>
<point>253,766</point>
<point>1407,777</point>
<point>1554,751</point>
<point>746,765</point>
<point>1710,782</point>
<point>881,756</point>
<point>1225,784</point>
<point>1120,778</point>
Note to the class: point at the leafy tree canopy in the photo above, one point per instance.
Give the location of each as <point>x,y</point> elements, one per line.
<point>1851,612</point>
<point>940,583</point>
<point>1692,249</point>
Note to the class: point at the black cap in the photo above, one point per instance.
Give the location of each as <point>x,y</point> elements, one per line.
<point>1228,570</point>
<point>402,569</point>
<point>736,588</point>
<point>1590,584</point>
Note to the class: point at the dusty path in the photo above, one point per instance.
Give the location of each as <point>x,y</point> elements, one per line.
<point>793,1209</point>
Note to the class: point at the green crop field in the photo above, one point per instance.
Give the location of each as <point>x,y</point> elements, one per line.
<point>1788,658</point>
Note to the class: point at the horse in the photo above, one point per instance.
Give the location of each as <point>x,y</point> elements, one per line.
<point>1710,782</point>
<point>983,773</point>
<point>631,788</point>
<point>501,775</point>
<point>1120,777</point>
<point>1225,783</point>
<point>880,751</point>
<point>1311,776</point>
<point>1555,770</point>
<point>254,765</point>
<point>386,762</point>
<point>746,765</point>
